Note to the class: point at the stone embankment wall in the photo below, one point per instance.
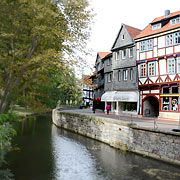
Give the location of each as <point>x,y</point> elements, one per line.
<point>156,144</point>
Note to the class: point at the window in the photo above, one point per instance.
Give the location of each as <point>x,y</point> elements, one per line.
<point>165,90</point>
<point>174,90</point>
<point>151,69</point>
<point>130,106</point>
<point>171,66</point>
<point>108,62</point>
<point>170,103</point>
<point>165,103</point>
<point>177,38</point>
<point>117,55</point>
<point>169,40</point>
<point>173,39</point>
<point>109,77</point>
<point>119,75</point>
<point>175,21</point>
<point>131,74</point>
<point>130,52</point>
<point>178,64</point>
<point>125,75</point>
<point>124,54</point>
<point>146,45</point>
<point>123,37</point>
<point>143,70</point>
<point>174,104</point>
<point>156,26</point>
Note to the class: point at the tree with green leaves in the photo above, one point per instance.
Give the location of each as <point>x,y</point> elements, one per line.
<point>35,38</point>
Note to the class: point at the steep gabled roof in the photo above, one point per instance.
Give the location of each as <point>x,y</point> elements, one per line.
<point>103,54</point>
<point>133,32</point>
<point>147,31</point>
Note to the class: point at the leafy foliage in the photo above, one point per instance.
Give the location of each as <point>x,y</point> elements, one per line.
<point>34,38</point>
<point>6,134</point>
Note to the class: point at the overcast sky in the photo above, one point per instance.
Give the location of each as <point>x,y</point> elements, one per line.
<point>110,14</point>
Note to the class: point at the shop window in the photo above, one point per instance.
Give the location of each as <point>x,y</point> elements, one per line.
<point>165,103</point>
<point>129,106</point>
<point>165,90</point>
<point>174,104</point>
<point>174,90</point>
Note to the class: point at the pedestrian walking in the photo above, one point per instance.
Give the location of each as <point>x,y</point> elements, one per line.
<point>108,109</point>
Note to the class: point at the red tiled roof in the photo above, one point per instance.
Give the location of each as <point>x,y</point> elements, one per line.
<point>167,17</point>
<point>107,56</point>
<point>132,31</point>
<point>147,31</point>
<point>103,54</point>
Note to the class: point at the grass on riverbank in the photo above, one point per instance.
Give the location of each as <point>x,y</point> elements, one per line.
<point>22,111</point>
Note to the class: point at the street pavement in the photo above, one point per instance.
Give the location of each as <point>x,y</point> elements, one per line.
<point>153,123</point>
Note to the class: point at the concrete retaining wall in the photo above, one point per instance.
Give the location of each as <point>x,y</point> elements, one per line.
<point>156,144</point>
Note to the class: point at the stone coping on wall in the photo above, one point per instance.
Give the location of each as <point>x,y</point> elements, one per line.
<point>98,118</point>
<point>120,122</point>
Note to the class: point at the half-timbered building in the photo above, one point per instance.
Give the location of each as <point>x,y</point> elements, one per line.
<point>158,61</point>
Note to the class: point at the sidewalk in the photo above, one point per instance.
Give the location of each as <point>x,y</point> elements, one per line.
<point>153,123</point>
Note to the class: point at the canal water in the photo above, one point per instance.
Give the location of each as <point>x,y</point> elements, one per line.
<point>44,152</point>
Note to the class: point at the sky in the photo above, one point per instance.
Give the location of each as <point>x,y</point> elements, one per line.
<point>110,14</point>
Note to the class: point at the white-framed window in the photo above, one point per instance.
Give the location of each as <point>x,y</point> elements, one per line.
<point>173,39</point>
<point>146,45</point>
<point>109,77</point>
<point>117,55</point>
<point>169,40</point>
<point>143,70</point>
<point>131,74</point>
<point>171,66</point>
<point>151,69</point>
<point>130,52</point>
<point>119,75</point>
<point>177,37</point>
<point>108,62</point>
<point>125,75</point>
<point>124,54</point>
<point>178,64</point>
<point>175,21</point>
<point>156,26</point>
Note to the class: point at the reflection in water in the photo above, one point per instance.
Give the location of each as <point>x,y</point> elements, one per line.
<point>105,162</point>
<point>73,161</point>
<point>50,153</point>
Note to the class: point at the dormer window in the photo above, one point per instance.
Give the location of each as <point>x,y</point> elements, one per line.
<point>175,21</point>
<point>156,26</point>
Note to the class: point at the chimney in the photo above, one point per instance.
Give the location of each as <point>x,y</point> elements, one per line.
<point>167,13</point>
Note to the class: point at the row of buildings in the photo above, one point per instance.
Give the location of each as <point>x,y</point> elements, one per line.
<point>141,74</point>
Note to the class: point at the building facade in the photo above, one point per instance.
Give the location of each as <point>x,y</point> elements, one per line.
<point>158,61</point>
<point>121,82</point>
<point>98,80</point>
<point>87,92</point>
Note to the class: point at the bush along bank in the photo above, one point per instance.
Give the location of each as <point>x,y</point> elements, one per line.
<point>6,134</point>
